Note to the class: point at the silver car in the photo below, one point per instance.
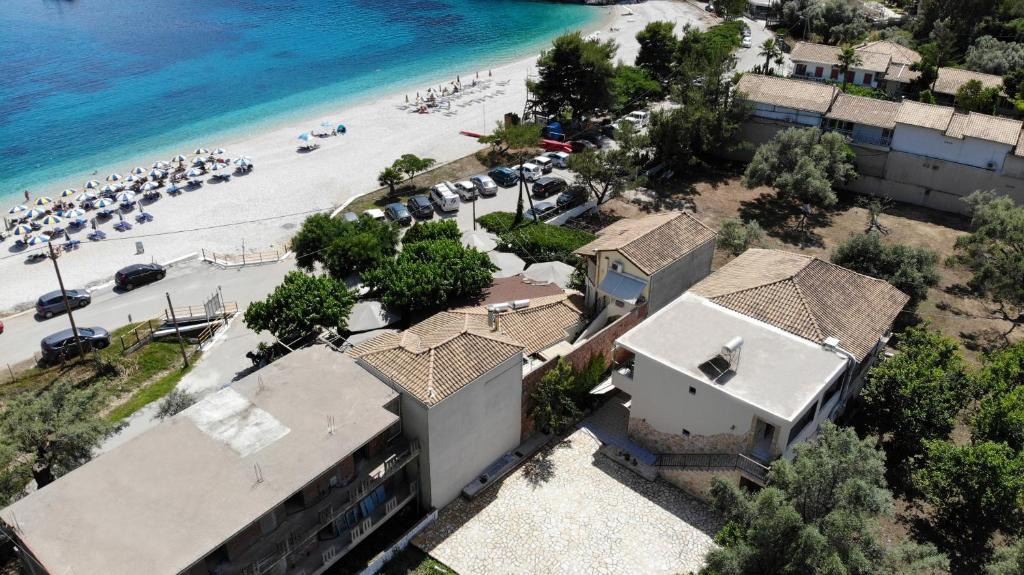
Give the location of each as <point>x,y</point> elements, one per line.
<point>485,185</point>
<point>465,189</point>
<point>52,303</point>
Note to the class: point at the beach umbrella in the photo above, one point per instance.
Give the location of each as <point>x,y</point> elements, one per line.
<point>104,202</point>
<point>68,193</point>
<point>92,185</point>
<point>194,173</point>
<point>160,165</point>
<point>201,151</point>
<point>197,161</point>
<point>115,177</point>
<point>38,240</point>
<point>150,186</point>
<point>125,196</point>
<point>369,315</point>
<point>542,273</point>
<point>51,220</point>
<point>156,174</point>
<point>132,178</point>
<point>305,136</point>
<point>41,201</point>
<point>22,230</point>
<point>341,128</point>
<point>480,240</point>
<point>138,170</point>
<point>34,213</point>
<point>85,197</point>
<point>179,158</point>
<point>75,213</point>
<point>175,188</point>
<point>508,264</point>
<point>219,152</point>
<point>108,189</point>
<point>16,209</point>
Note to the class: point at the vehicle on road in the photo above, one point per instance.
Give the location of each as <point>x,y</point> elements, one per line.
<point>50,304</point>
<point>444,198</point>
<point>529,171</point>
<point>746,42</point>
<point>135,275</point>
<point>639,118</point>
<point>465,189</point>
<point>396,212</point>
<point>559,159</point>
<point>505,177</point>
<point>61,345</point>
<point>540,210</point>
<point>572,197</point>
<point>545,163</point>
<point>549,186</point>
<point>485,186</point>
<point>420,207</point>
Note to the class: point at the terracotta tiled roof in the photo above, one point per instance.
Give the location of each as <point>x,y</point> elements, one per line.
<point>824,54</point>
<point>864,111</point>
<point>957,125</point>
<point>1019,150</point>
<point>806,296</point>
<point>924,115</point>
<point>991,128</point>
<point>787,92</point>
<point>440,355</point>
<point>950,80</point>
<point>652,242</point>
<point>902,73</point>
<point>900,54</point>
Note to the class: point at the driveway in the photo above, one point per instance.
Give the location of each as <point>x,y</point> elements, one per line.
<point>747,58</point>
<point>571,510</point>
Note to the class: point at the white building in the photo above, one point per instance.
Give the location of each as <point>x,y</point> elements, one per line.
<point>820,62</point>
<point>778,99</point>
<point>933,131</point>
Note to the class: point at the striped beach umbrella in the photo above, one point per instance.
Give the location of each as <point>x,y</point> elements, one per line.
<point>115,177</point>
<point>138,170</point>
<point>68,193</point>
<point>201,151</point>
<point>179,158</point>
<point>104,202</point>
<point>22,230</point>
<point>38,240</point>
<point>194,173</point>
<point>125,196</point>
<point>84,197</point>
<point>155,174</point>
<point>109,189</point>
<point>132,178</point>
<point>51,220</point>
<point>17,208</point>
<point>219,152</point>
<point>92,185</point>
<point>150,186</point>
<point>34,213</point>
<point>197,161</point>
<point>41,201</point>
<point>75,213</point>
<point>160,165</point>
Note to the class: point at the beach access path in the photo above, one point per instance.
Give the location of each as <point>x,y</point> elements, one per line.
<point>263,209</point>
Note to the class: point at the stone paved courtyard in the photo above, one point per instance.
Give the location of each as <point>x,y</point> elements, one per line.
<point>569,510</point>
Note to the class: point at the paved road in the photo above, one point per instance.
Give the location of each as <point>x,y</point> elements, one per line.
<point>189,283</point>
<point>747,58</point>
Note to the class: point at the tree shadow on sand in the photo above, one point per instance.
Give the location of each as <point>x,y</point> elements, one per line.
<point>784,220</point>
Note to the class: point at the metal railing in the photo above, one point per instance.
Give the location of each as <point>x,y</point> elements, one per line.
<point>243,259</point>
<point>193,311</point>
<point>140,334</point>
<point>714,461</point>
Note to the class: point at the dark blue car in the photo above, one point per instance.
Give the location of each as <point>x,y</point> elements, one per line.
<point>504,177</point>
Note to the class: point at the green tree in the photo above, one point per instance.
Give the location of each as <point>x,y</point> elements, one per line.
<point>1000,414</point>
<point>55,431</point>
<point>633,88</point>
<point>657,50</point>
<point>1013,86</point>
<point>772,53</point>
<point>431,275</point>
<point>974,491</point>
<point>433,230</point>
<point>15,473</point>
<point>390,177</point>
<point>575,77</point>
<point>992,56</point>
<point>736,236</point>
<point>975,97</point>
<point>300,305</point>
<point>848,58</point>
<point>313,238</point>
<point>410,164</point>
<point>174,403</point>
<point>994,251</point>
<point>818,514</point>
<point>909,269</point>
<point>803,165</point>
<point>521,139</point>
<point>1007,560</point>
<point>343,247</point>
<point>732,9</point>
<point>554,402</point>
<point>913,397</point>
<point>926,97</point>
<point>608,172</point>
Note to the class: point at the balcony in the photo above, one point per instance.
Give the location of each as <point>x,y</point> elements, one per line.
<point>296,536</point>
<point>622,375</point>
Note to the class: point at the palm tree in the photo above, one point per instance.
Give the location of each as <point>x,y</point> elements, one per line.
<point>848,58</point>
<point>771,51</point>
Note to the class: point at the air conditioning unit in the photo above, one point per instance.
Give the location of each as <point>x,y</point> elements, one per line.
<point>617,266</point>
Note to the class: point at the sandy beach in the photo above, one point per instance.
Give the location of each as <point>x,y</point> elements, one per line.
<point>261,210</point>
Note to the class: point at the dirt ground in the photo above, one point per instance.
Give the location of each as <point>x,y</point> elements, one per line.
<point>948,308</point>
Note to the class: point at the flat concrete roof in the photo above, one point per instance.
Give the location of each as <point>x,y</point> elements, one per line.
<point>167,498</point>
<point>778,372</point>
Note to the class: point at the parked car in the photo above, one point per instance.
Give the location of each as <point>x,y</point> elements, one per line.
<point>530,172</point>
<point>420,206</point>
<point>485,186</point>
<point>581,145</point>
<point>549,186</point>
<point>444,198</point>
<point>396,212</point>
<point>710,7</point>
<point>465,189</point>
<point>135,275</point>
<point>61,345</point>
<point>559,159</point>
<point>505,177</point>
<point>1,328</point>
<point>780,41</point>
<point>545,163</point>
<point>375,214</point>
<point>540,210</point>
<point>572,197</point>
<point>52,303</point>
<point>349,217</point>
<point>639,118</point>
<point>746,42</point>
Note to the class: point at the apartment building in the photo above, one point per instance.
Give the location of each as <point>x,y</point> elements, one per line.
<point>820,62</point>
<point>284,472</point>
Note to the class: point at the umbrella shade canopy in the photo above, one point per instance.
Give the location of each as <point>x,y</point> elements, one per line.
<point>215,167</point>
<point>201,151</point>
<point>41,201</point>
<point>68,193</point>
<point>37,240</point>
<point>481,240</point>
<point>175,188</point>
<point>92,185</point>
<point>179,158</point>
<point>138,170</point>
<point>194,173</point>
<point>367,315</point>
<point>198,161</point>
<point>327,124</point>
<point>150,186</point>
<point>75,213</point>
<point>132,178</point>
<point>160,165</point>
<point>108,189</point>
<point>341,128</point>
<point>220,151</point>
<point>51,220</point>
<point>85,197</point>
<point>125,196</point>
<point>242,162</point>
<point>16,209</point>
<point>104,203</point>
<point>557,273</point>
<point>34,213</point>
<point>22,230</point>
<point>305,136</point>
<point>508,264</point>
<point>115,177</point>
<point>156,174</point>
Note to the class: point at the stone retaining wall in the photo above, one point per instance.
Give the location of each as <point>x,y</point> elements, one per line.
<point>657,442</point>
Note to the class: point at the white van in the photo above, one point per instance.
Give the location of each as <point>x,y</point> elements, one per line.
<point>545,163</point>
<point>559,159</point>
<point>531,172</point>
<point>444,198</point>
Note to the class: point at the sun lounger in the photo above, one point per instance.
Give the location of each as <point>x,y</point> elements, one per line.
<point>97,235</point>
<point>122,226</point>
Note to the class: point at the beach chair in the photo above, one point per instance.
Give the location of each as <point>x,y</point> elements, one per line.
<point>97,235</point>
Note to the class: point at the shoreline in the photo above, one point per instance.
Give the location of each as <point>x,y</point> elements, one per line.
<point>263,209</point>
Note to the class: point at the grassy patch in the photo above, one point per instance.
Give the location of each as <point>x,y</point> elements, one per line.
<point>460,169</point>
<point>535,241</point>
<point>150,393</point>
<point>412,561</point>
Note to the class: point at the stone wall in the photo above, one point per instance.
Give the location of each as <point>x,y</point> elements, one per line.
<point>657,442</point>
<point>697,482</point>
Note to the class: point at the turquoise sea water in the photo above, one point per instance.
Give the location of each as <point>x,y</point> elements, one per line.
<point>86,83</point>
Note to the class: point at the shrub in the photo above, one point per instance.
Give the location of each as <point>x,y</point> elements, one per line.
<point>430,231</point>
<point>535,241</point>
<point>430,274</point>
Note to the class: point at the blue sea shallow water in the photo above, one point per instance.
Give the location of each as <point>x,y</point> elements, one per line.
<point>86,83</point>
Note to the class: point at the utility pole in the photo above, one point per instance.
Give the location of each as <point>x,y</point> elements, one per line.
<point>67,305</point>
<point>181,342</point>
<point>474,213</point>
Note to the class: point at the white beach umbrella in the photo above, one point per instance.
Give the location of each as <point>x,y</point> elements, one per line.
<point>305,136</point>
<point>508,264</point>
<point>194,173</point>
<point>150,186</point>
<point>17,208</point>
<point>201,151</point>
<point>38,240</point>
<point>215,167</point>
<point>115,177</point>
<point>34,213</point>
<point>125,196</point>
<point>132,178</point>
<point>481,240</point>
<point>138,170</point>
<point>542,273</point>
<point>92,185</point>
<point>198,161</point>
<point>179,158</point>
<point>75,213</point>
<point>108,189</point>
<point>68,193</point>
<point>22,230</point>
<point>104,202</point>
<point>41,201</point>
<point>175,188</point>
<point>160,165</point>
<point>85,197</point>
<point>219,152</point>
<point>243,161</point>
<point>156,174</point>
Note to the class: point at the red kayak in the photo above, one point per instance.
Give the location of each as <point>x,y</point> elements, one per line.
<point>471,134</point>
<point>556,146</point>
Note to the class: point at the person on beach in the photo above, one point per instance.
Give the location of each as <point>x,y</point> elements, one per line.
<point>26,195</point>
